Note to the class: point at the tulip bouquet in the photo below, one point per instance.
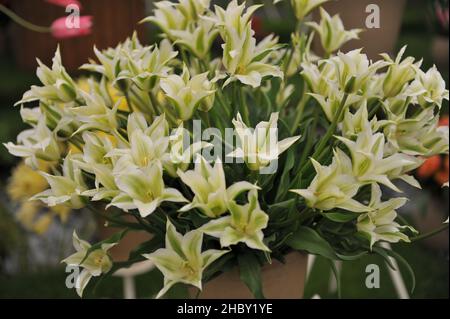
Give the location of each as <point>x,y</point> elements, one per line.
<point>238,156</point>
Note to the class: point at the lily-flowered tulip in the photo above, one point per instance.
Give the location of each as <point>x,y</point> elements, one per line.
<point>353,70</point>
<point>379,223</point>
<point>334,186</point>
<point>186,93</point>
<point>400,73</point>
<point>244,225</point>
<point>145,66</point>
<point>303,7</point>
<point>331,31</point>
<point>61,30</point>
<point>94,263</point>
<point>331,103</point>
<point>180,153</point>
<point>260,146</point>
<point>370,165</point>
<point>143,189</point>
<point>420,135</point>
<point>58,86</point>
<point>173,17</point>
<point>167,17</point>
<point>193,9</point>
<point>432,86</point>
<point>38,143</point>
<point>200,40</point>
<point>147,144</point>
<point>182,260</point>
<point>66,189</point>
<point>355,123</point>
<point>209,187</point>
<point>243,59</point>
<point>96,114</point>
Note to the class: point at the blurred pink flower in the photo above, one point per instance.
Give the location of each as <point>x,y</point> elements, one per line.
<point>64,3</point>
<point>60,30</point>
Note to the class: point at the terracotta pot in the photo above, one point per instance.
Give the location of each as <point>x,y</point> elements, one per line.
<point>114,21</point>
<point>439,51</point>
<point>280,281</point>
<point>373,41</point>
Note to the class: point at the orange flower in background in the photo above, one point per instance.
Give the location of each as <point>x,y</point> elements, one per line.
<point>441,176</point>
<point>436,166</point>
<point>443,121</point>
<point>429,167</point>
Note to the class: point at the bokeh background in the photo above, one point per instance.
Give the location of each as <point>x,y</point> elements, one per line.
<point>34,240</point>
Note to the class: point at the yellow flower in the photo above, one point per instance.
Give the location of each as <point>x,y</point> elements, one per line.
<point>42,224</point>
<point>25,183</point>
<point>27,213</point>
<point>61,211</point>
<point>116,96</point>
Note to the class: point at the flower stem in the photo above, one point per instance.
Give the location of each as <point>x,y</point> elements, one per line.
<point>430,234</point>
<point>331,130</point>
<point>300,110</point>
<point>244,107</point>
<point>24,23</point>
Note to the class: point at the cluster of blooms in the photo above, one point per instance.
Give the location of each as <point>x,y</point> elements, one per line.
<point>131,153</point>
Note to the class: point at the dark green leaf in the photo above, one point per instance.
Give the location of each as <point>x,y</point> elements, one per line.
<point>408,267</point>
<point>250,273</point>
<point>309,240</point>
<point>340,217</point>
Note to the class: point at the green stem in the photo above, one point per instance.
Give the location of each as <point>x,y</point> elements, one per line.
<point>300,110</point>
<point>244,107</point>
<point>24,23</point>
<point>430,234</point>
<point>331,130</point>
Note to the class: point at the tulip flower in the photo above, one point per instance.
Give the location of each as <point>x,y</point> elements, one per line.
<point>370,165</point>
<point>379,223</point>
<point>209,187</point>
<point>399,73</point>
<point>66,189</point>
<point>186,93</point>
<point>182,260</point>
<point>260,146</point>
<point>143,189</point>
<point>38,143</point>
<point>334,186</point>
<point>331,30</point>
<point>61,30</point>
<point>244,225</point>
<point>95,263</point>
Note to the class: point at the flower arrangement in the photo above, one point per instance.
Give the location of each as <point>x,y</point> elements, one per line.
<point>294,154</point>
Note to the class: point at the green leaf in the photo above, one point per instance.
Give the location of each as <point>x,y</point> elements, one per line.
<point>340,217</point>
<point>309,240</point>
<point>383,253</point>
<point>250,273</point>
<point>408,267</point>
<point>352,257</point>
<point>283,185</point>
<point>337,276</point>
